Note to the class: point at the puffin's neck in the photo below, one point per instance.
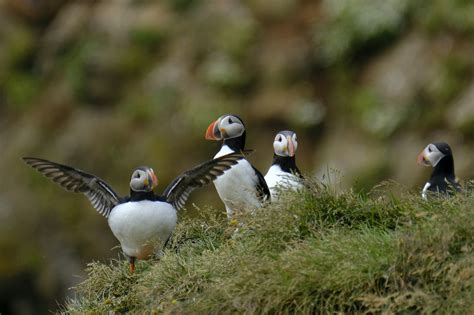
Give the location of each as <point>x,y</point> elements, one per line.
<point>141,195</point>
<point>236,144</point>
<point>286,163</point>
<point>444,168</point>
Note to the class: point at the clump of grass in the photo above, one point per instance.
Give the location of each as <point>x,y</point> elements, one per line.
<point>316,251</point>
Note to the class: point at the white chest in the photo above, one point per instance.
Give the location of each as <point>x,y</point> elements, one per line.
<point>237,186</point>
<point>142,226</point>
<point>277,179</point>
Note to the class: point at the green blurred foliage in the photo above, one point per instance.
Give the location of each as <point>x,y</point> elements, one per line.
<point>355,26</point>
<point>452,16</point>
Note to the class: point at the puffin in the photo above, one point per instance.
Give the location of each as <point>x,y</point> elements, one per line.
<point>243,186</point>
<point>143,221</point>
<point>283,173</point>
<point>443,180</point>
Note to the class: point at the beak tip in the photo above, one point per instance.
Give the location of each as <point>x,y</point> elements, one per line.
<point>421,160</point>
<point>210,132</point>
<point>290,147</point>
<point>154,179</point>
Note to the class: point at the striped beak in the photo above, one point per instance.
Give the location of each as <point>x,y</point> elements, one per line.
<point>152,178</point>
<point>291,146</point>
<point>422,160</point>
<point>213,132</point>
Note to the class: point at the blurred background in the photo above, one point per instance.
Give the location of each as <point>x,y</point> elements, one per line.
<point>109,85</point>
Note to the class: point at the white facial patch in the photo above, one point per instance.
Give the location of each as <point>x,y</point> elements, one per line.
<point>137,182</point>
<point>432,154</point>
<point>280,145</point>
<point>231,127</point>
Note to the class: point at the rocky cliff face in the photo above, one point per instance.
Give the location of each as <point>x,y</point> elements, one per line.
<point>109,85</point>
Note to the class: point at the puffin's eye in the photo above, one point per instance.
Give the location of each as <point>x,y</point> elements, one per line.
<point>230,120</point>
<point>280,139</point>
<point>429,149</point>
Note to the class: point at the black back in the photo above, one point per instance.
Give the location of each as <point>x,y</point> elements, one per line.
<point>443,179</point>
<point>262,188</point>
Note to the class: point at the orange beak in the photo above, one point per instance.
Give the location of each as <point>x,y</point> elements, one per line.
<point>291,146</point>
<point>212,132</point>
<point>421,159</point>
<point>154,178</point>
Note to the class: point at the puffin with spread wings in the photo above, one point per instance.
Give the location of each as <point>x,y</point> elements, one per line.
<point>142,222</point>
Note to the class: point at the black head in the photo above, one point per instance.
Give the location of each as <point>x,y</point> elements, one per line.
<point>443,147</point>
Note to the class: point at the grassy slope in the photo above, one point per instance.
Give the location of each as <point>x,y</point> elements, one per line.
<point>316,251</point>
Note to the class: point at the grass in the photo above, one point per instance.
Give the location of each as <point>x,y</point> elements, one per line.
<point>317,251</point>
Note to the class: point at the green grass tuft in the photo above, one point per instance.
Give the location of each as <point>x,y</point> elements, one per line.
<point>316,251</point>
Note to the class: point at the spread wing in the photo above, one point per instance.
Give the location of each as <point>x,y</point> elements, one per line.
<point>179,190</point>
<point>99,193</point>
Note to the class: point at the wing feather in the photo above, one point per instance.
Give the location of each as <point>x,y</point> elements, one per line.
<point>99,193</point>
<point>263,192</point>
<point>178,191</point>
